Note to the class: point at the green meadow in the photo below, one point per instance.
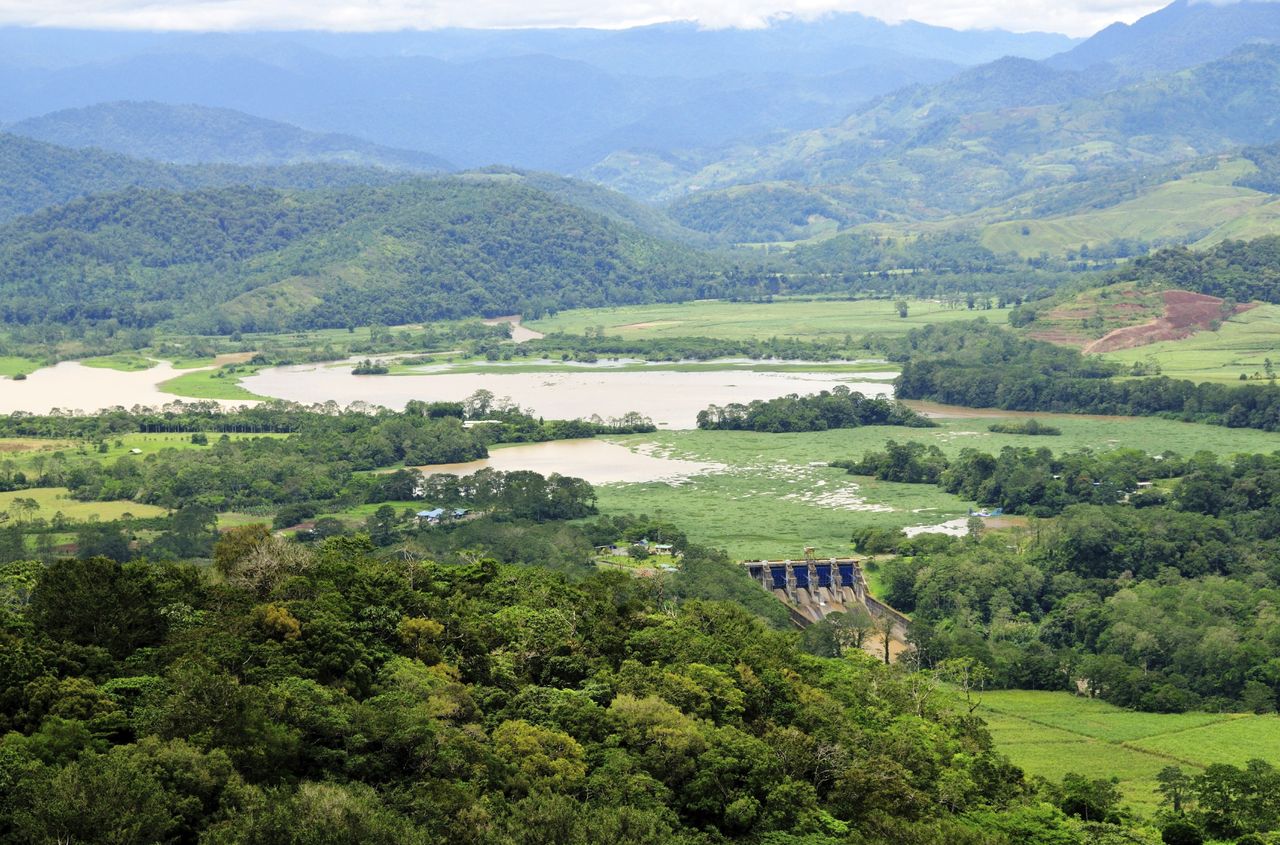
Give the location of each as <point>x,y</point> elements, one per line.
<point>767,495</point>
<point>12,365</point>
<point>1239,347</point>
<point>1202,207</point>
<point>52,500</point>
<point>1052,733</point>
<point>221,383</point>
<point>804,318</point>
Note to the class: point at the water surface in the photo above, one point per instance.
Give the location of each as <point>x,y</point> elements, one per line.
<point>597,461</point>
<point>671,398</point>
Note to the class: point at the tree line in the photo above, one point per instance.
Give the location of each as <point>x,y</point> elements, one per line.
<point>836,408</point>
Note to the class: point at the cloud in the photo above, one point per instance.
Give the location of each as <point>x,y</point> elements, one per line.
<point>1081,17</point>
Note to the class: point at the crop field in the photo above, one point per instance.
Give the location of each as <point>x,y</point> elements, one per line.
<point>738,320</point>
<point>1241,346</point>
<point>1052,733</point>
<point>51,500</point>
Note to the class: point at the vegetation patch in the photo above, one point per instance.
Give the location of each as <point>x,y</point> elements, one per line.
<point>1050,733</point>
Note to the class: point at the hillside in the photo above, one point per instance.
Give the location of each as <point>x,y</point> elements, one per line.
<point>36,175</point>
<point>920,155</point>
<point>253,258</point>
<point>551,99</point>
<point>191,134</point>
<point>1180,35</point>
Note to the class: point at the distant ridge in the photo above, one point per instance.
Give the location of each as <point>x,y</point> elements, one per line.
<point>194,134</point>
<point>1178,36</point>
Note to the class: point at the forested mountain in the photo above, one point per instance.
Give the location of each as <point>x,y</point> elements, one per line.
<point>36,175</point>
<point>926,153</point>
<point>550,99</point>
<point>191,134</point>
<point>246,258</point>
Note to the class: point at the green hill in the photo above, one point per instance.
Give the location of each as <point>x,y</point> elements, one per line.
<point>255,258</point>
<point>37,175</point>
<point>984,138</point>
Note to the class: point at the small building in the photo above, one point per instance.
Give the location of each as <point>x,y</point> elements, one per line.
<point>431,517</point>
<point>459,513</point>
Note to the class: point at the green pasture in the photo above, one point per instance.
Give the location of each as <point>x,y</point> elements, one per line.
<point>12,365</point>
<point>125,362</point>
<point>1052,733</point>
<point>1240,346</point>
<point>1203,208</point>
<point>51,500</point>
<point>767,496</point>
<point>818,318</point>
<point>210,384</point>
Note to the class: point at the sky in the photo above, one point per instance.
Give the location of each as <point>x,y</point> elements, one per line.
<point>1073,17</point>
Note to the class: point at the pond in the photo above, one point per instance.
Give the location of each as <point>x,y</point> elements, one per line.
<point>597,461</point>
<point>671,398</point>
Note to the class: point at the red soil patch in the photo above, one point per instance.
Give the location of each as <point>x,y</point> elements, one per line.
<point>1185,313</point>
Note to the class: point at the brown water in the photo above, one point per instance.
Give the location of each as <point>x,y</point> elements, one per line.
<point>72,386</point>
<point>597,461</point>
<point>670,398</point>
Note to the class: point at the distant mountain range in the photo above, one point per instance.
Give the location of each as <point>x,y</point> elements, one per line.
<point>548,99</point>
<point>795,131</point>
<point>191,134</point>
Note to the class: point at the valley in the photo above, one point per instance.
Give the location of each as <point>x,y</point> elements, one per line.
<point>785,428</point>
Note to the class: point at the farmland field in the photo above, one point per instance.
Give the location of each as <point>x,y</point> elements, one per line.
<point>738,320</point>
<point>1052,733</point>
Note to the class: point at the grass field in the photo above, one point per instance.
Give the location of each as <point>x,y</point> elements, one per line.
<point>769,500</point>
<point>210,384</point>
<point>1052,733</point>
<point>11,365</point>
<point>125,362</point>
<point>740,320</point>
<point>1241,345</point>
<point>1201,207</point>
<point>51,500</point>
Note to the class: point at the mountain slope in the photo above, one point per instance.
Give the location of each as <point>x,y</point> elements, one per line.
<point>916,157</point>
<point>1180,35</point>
<point>190,134</point>
<point>547,99</point>
<point>254,258</point>
<point>36,175</point>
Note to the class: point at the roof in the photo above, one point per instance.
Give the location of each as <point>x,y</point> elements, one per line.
<point>435,513</point>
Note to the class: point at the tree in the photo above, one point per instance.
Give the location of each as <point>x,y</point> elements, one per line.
<point>236,544</point>
<point>1174,786</point>
<point>98,798</point>
<point>1090,799</point>
<point>901,306</point>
